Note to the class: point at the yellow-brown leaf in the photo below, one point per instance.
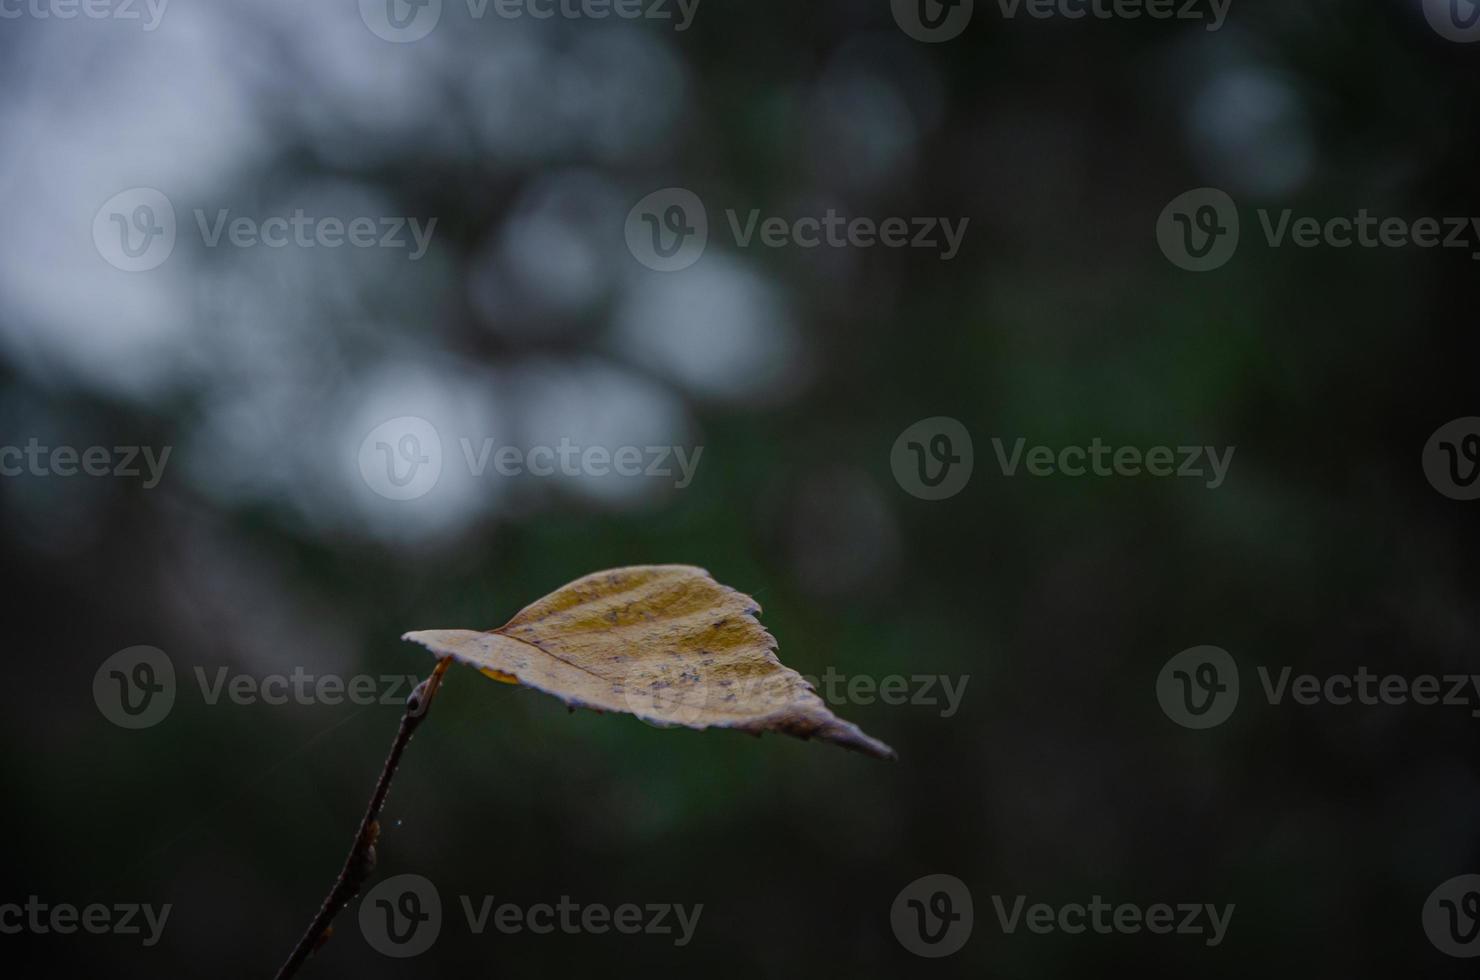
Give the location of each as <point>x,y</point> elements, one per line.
<point>666,643</point>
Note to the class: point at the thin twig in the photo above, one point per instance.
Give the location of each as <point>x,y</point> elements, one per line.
<point>361,860</point>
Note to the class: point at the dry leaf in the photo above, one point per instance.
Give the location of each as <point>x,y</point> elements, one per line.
<point>666,643</point>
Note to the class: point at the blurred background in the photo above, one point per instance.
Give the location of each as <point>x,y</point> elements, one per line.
<point>269,544</point>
